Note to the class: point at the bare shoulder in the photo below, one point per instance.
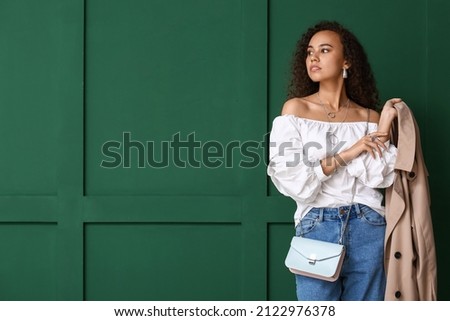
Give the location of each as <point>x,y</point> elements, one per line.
<point>374,116</point>
<point>295,106</point>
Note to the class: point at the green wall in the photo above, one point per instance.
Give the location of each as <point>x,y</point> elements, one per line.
<point>81,78</point>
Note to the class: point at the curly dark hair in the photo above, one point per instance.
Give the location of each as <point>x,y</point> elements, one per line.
<point>360,84</point>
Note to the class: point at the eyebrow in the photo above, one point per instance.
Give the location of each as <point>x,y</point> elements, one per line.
<point>322,45</point>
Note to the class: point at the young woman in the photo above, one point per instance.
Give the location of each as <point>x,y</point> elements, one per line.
<point>330,152</point>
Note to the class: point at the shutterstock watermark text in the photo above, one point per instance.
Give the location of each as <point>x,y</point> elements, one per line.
<point>183,151</point>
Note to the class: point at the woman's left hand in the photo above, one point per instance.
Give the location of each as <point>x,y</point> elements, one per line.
<point>389,112</point>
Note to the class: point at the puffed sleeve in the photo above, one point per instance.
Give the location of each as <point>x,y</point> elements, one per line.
<point>375,172</point>
<point>291,173</point>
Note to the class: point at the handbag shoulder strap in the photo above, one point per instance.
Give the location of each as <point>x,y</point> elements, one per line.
<point>367,123</point>
<point>343,228</point>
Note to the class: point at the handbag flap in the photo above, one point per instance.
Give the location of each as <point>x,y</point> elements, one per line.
<point>315,249</point>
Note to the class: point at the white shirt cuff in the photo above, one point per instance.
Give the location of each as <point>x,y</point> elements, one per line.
<point>320,174</point>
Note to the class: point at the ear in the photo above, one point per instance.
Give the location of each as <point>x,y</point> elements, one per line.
<point>347,64</point>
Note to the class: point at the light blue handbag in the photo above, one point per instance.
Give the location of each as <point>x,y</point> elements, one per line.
<point>316,259</point>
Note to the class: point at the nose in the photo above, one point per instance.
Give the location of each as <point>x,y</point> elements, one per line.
<point>313,57</point>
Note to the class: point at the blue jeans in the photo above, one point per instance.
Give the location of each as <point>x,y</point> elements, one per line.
<point>362,275</point>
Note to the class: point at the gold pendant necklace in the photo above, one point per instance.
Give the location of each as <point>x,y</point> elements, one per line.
<point>331,137</point>
<point>332,114</point>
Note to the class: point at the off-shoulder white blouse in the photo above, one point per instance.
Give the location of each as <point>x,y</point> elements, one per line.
<point>298,144</point>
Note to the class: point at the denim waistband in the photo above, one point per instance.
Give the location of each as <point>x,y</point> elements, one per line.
<point>336,213</point>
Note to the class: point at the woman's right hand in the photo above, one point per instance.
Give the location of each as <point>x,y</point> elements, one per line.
<point>370,143</point>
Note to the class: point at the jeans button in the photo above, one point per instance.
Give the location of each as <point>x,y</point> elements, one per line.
<point>342,211</point>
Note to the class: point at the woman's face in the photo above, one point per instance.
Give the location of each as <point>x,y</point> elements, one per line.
<point>325,56</point>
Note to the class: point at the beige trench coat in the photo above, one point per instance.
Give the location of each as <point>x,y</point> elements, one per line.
<point>410,259</point>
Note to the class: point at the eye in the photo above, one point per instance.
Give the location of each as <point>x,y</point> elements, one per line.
<point>309,53</point>
<point>325,50</point>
